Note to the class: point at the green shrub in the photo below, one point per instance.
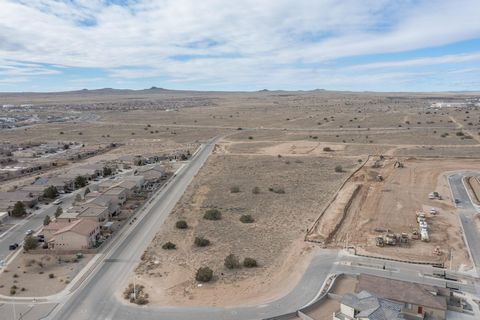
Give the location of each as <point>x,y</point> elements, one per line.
<point>256,190</point>
<point>212,214</point>
<point>169,246</point>
<point>249,263</point>
<point>201,242</point>
<point>232,262</point>
<point>204,274</point>
<point>181,224</point>
<point>327,149</point>
<point>338,168</point>
<point>30,243</point>
<point>51,276</point>
<point>234,189</point>
<point>246,218</point>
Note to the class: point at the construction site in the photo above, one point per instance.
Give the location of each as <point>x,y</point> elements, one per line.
<point>397,208</point>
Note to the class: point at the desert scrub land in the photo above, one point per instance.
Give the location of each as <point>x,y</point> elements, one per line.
<point>282,196</point>
<point>37,275</point>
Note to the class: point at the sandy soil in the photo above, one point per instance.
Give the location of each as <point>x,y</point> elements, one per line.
<point>391,204</point>
<point>275,239</point>
<point>31,272</point>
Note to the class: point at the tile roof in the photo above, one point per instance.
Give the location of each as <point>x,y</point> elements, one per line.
<point>80,226</point>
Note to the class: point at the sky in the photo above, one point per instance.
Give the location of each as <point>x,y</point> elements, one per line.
<point>243,45</point>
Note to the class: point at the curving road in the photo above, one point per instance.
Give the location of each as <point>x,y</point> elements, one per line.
<point>467,212</point>
<point>97,296</point>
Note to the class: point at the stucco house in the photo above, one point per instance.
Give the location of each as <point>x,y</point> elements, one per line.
<point>75,235</point>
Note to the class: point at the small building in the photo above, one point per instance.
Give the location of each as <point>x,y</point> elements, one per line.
<point>417,299</point>
<point>85,211</point>
<point>35,190</point>
<point>107,184</point>
<point>365,306</point>
<point>152,174</point>
<point>105,201</point>
<point>62,183</point>
<point>138,179</point>
<point>117,194</point>
<point>76,235</point>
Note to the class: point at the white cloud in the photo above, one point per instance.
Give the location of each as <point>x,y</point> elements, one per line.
<point>242,41</point>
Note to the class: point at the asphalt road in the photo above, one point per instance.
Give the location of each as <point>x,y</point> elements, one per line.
<point>98,296</point>
<point>96,299</point>
<point>467,214</point>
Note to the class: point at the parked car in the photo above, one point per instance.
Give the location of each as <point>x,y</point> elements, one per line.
<point>58,201</point>
<point>13,246</point>
<point>457,201</point>
<point>29,232</point>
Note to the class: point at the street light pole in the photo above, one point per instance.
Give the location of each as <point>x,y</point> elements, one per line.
<point>134,291</point>
<point>14,311</point>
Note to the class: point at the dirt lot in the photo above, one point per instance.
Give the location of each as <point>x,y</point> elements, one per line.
<point>312,132</point>
<point>392,204</point>
<point>274,239</point>
<point>324,309</point>
<point>30,273</point>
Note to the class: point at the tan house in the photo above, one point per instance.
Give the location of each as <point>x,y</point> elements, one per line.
<point>118,195</point>
<point>152,174</point>
<point>87,211</point>
<point>418,300</point>
<point>138,179</point>
<point>76,235</point>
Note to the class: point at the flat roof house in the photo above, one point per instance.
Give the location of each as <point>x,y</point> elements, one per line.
<point>365,306</point>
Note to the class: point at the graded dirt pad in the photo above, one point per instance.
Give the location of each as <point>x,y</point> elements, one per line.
<point>274,239</point>
<point>392,204</point>
<point>473,185</point>
<point>30,273</point>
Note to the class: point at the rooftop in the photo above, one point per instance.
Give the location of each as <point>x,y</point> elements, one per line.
<point>403,291</point>
<point>80,226</point>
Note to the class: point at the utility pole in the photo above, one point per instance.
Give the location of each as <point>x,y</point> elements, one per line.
<point>451,258</point>
<point>134,291</point>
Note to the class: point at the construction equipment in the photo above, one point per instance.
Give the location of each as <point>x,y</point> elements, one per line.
<point>379,242</point>
<point>420,216</point>
<point>424,235</point>
<point>379,178</point>
<point>398,164</point>
<point>415,235</point>
<point>404,238</point>
<point>437,251</point>
<point>390,239</point>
